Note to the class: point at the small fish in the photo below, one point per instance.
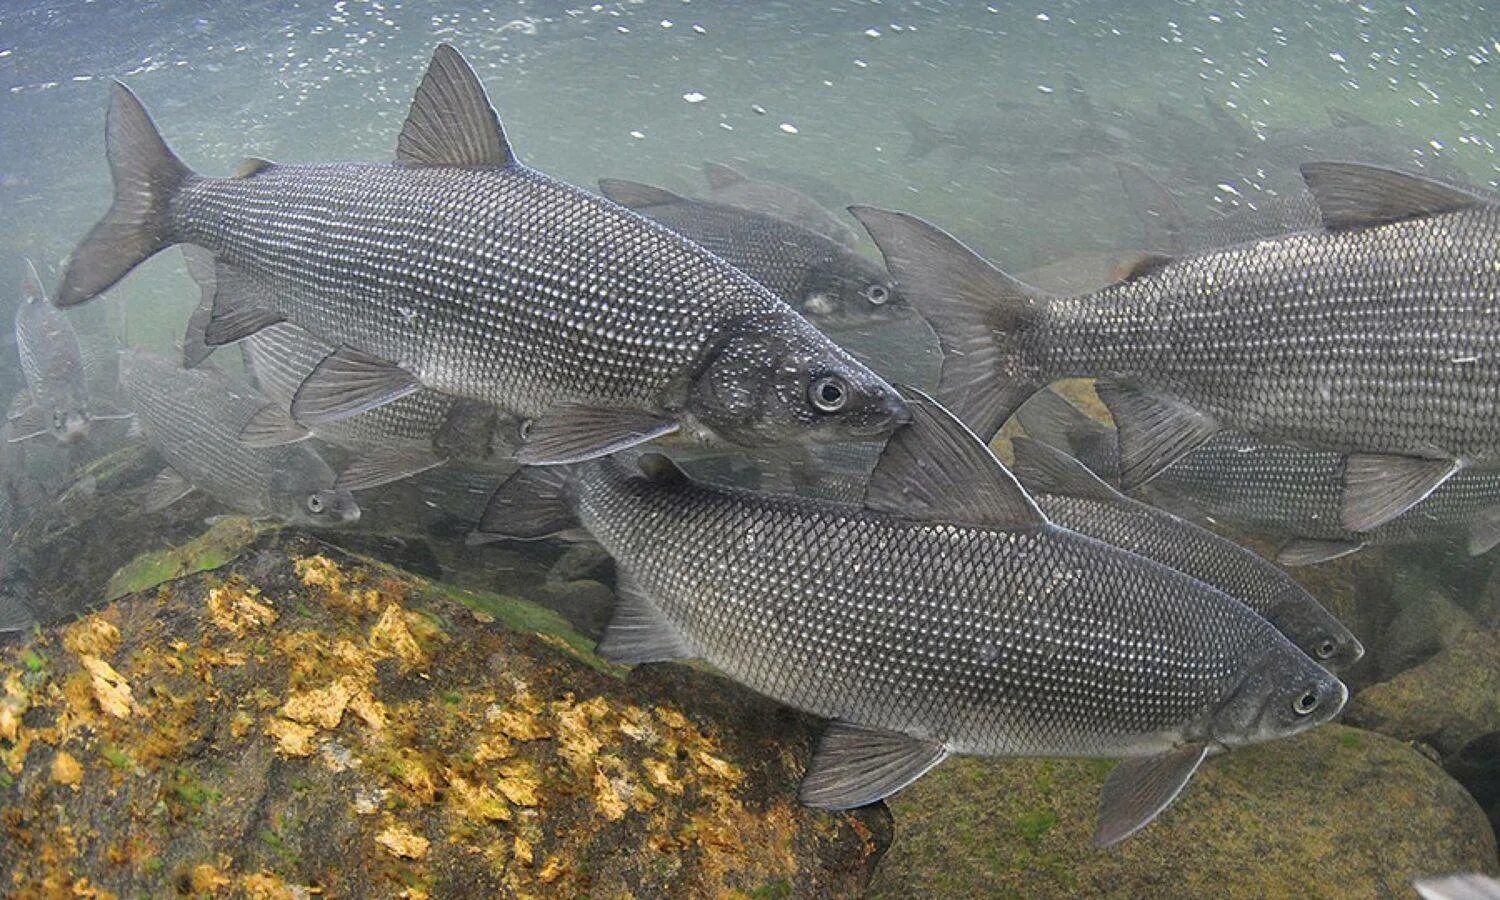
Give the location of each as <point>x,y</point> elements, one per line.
<point>730,186</point>
<point>1073,497</point>
<point>943,615</point>
<point>828,283</point>
<point>56,400</point>
<point>461,270</point>
<point>193,418</point>
<point>1339,339</point>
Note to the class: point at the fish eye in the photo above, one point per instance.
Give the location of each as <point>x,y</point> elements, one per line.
<point>314,504</point>
<point>57,420</point>
<point>1305,704</point>
<point>877,294</point>
<point>1326,649</point>
<point>828,394</point>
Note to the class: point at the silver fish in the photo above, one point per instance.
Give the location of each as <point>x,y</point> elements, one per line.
<point>462,270</point>
<point>944,615</point>
<point>1374,336</point>
<point>1075,498</point>
<point>729,185</point>
<point>57,400</point>
<point>193,418</point>
<point>825,281</point>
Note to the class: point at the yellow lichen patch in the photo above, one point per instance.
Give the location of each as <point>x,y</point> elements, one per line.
<point>66,770</point>
<point>719,767</point>
<point>551,870</point>
<point>240,723</point>
<point>207,879</point>
<point>492,748</point>
<point>398,840</point>
<point>519,782</point>
<point>323,707</point>
<point>92,636</point>
<point>577,741</point>
<point>320,571</point>
<point>238,610</point>
<point>391,637</point>
<point>368,707</point>
<point>411,770</point>
<point>13,706</point>
<point>291,738</point>
<point>265,886</point>
<point>609,796</point>
<point>519,725</point>
<point>111,691</point>
<point>659,772</point>
<point>476,802</point>
<point>522,852</point>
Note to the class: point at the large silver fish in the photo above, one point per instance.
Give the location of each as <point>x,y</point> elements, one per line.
<point>462,270</point>
<point>944,615</point>
<point>1277,489</point>
<point>193,417</point>
<point>1376,336</point>
<point>56,400</point>
<point>1075,498</point>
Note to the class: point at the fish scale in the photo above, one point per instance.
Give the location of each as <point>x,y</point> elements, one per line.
<point>858,616</point>
<point>51,360</point>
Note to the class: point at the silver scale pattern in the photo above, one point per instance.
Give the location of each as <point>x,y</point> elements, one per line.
<point>502,285</point>
<point>1382,339</point>
<point>993,642</point>
<point>51,360</point>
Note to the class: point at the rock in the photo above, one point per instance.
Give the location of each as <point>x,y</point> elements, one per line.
<point>1426,623</point>
<point>1447,701</point>
<point>1477,768</point>
<point>1336,811</point>
<point>309,721</point>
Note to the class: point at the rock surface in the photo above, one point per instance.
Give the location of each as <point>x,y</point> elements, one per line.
<point>1446,702</point>
<point>1338,812</point>
<point>304,719</point>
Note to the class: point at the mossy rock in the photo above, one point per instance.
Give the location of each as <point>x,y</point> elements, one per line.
<point>1448,701</point>
<point>1337,812</point>
<point>304,718</point>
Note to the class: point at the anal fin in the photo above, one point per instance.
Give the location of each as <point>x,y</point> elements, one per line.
<point>1378,487</point>
<point>347,383</point>
<point>640,632</point>
<point>1308,552</point>
<point>574,433</point>
<point>1138,789</point>
<point>1155,430</point>
<point>166,489</point>
<point>856,765</point>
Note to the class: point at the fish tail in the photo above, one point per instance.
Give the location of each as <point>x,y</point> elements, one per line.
<point>535,502</point>
<point>980,314</point>
<point>147,175</point>
<point>925,136</point>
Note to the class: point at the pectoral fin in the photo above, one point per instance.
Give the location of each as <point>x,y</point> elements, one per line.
<point>26,423</point>
<point>168,488</point>
<point>272,426</point>
<point>574,433</point>
<point>1139,789</point>
<point>1484,532</point>
<point>639,632</point>
<point>1306,552</point>
<point>347,383</point>
<point>384,468</point>
<point>856,765</point>
<point>1379,488</point>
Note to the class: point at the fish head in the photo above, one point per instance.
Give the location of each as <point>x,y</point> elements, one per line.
<point>70,426</point>
<point>327,508</point>
<point>1313,629</point>
<point>1280,693</point>
<point>301,494</point>
<point>850,291</point>
<point>774,379</point>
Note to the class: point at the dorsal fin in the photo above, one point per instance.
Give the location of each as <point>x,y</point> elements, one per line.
<point>722,176</point>
<point>31,285</point>
<point>635,195</point>
<point>660,469</point>
<point>1048,470</point>
<point>251,166</point>
<point>1343,118</point>
<point>451,122</point>
<point>936,469</point>
<point>1351,195</point>
<point>1143,263</point>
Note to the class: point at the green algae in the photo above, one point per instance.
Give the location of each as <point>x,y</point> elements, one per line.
<point>210,550</point>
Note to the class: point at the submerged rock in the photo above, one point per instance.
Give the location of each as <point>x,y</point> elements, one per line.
<point>1446,702</point>
<point>1335,812</point>
<point>304,719</point>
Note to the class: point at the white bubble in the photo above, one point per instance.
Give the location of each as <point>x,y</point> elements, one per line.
<point>694,97</point>
<point>788,127</point>
<point>637,135</point>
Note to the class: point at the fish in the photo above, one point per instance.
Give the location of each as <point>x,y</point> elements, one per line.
<point>830,284</point>
<point>193,418</point>
<point>1468,886</point>
<point>1167,228</point>
<point>729,186</point>
<point>421,431</point>
<point>460,269</point>
<point>944,615</point>
<point>1075,498</point>
<point>56,400</point>
<point>1373,336</point>
<point>1276,489</point>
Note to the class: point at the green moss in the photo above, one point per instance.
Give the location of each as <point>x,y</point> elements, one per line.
<point>192,793</point>
<point>1033,825</point>
<point>210,550</point>
<point>776,890</point>
<point>1351,740</point>
<point>33,661</point>
<point>117,758</point>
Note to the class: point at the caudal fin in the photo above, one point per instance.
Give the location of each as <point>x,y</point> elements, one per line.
<point>978,312</point>
<point>533,503</point>
<point>147,175</point>
<point>925,136</point>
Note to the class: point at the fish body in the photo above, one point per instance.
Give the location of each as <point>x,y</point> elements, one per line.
<point>730,186</point>
<point>945,615</point>
<point>57,393</point>
<point>461,270</point>
<point>194,418</point>
<point>1375,336</point>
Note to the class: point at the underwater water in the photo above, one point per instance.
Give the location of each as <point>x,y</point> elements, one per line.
<point>1057,140</point>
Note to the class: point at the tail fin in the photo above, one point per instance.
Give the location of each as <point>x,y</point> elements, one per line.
<point>977,311</point>
<point>200,265</point>
<point>533,503</point>
<point>147,175</point>
<point>1163,224</point>
<point>925,136</point>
